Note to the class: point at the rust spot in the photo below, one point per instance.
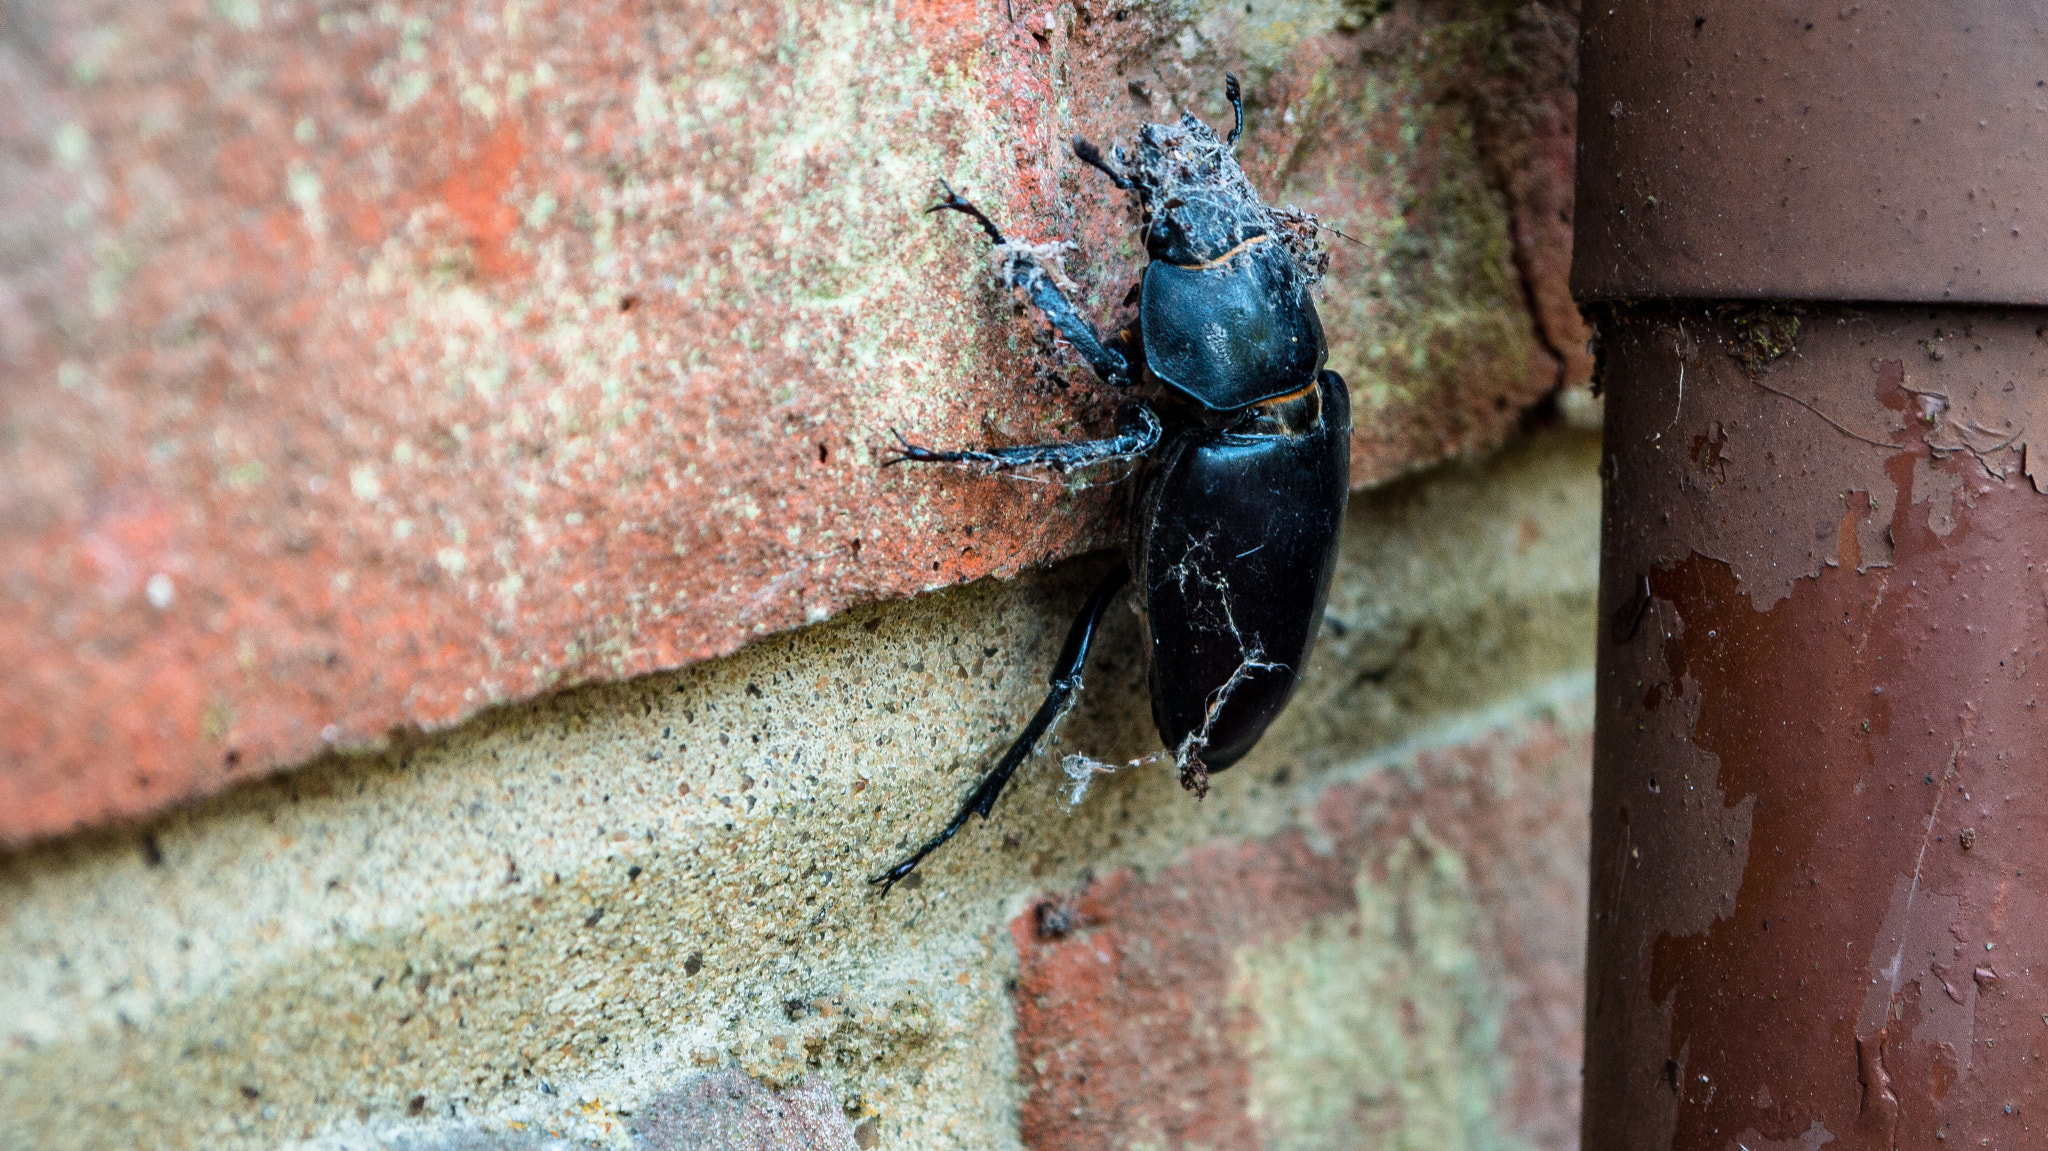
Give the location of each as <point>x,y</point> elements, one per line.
<point>1891,385</point>
<point>1943,1073</point>
<point>1854,511</point>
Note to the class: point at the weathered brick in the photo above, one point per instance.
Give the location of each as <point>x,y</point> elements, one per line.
<point>371,364</point>
<point>1406,975</point>
<point>532,931</point>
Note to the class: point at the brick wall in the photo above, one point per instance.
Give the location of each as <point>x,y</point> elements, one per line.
<point>459,674</point>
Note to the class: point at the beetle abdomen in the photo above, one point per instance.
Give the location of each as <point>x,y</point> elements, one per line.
<point>1233,333</point>
<point>1236,542</point>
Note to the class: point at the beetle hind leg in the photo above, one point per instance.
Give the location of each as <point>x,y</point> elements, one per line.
<point>1066,681</point>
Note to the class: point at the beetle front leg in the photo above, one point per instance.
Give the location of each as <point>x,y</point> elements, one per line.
<point>1066,680</point>
<point>1138,432</point>
<point>1108,360</point>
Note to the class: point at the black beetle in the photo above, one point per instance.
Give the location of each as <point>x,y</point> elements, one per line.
<point>1245,440</point>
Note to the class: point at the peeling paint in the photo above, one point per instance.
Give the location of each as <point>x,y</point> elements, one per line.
<point>1917,944</point>
<point>1808,589</point>
<point>1813,1138</point>
<point>1747,436</point>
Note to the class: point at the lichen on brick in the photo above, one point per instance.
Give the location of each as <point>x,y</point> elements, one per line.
<point>1342,1051</point>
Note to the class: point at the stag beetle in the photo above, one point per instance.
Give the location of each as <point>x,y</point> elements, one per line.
<point>1243,440</point>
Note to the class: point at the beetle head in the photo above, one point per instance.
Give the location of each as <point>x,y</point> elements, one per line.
<point>1197,202</point>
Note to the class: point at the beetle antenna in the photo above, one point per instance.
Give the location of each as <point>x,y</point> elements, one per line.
<point>1092,156</point>
<point>1353,239</point>
<point>1235,95</point>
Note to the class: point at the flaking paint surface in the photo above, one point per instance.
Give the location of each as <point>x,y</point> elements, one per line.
<point>374,364</point>
<point>1825,936</point>
<point>1784,470</point>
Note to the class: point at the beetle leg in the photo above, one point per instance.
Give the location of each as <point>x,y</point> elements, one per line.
<point>1109,363</point>
<point>1235,95</point>
<point>955,203</point>
<point>1066,680</point>
<point>1138,433</point>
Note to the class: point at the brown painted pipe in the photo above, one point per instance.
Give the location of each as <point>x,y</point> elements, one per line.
<point>1820,835</point>
<point>1862,150</point>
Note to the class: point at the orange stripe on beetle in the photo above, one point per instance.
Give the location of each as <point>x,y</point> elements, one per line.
<point>1226,257</point>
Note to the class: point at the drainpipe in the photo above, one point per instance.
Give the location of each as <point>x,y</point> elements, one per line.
<point>1815,239</point>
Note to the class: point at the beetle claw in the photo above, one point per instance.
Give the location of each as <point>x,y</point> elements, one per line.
<point>950,202</point>
<point>954,202</point>
<point>911,452</point>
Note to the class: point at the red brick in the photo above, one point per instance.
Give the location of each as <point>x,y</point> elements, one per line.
<point>1131,1027</point>
<point>207,364</point>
